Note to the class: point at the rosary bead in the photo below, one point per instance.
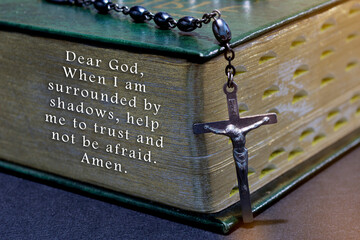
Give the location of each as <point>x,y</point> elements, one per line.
<point>221,31</point>
<point>162,20</point>
<point>102,6</point>
<point>138,13</point>
<point>186,24</point>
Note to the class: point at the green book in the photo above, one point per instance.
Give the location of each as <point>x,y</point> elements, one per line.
<point>100,104</point>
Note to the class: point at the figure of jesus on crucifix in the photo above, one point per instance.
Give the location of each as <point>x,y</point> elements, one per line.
<point>236,129</point>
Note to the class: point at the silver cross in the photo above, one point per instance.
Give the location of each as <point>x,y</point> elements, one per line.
<point>236,129</point>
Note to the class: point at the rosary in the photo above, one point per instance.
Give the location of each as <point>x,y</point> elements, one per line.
<point>235,128</point>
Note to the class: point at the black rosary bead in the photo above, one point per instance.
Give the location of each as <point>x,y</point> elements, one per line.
<point>138,13</point>
<point>102,6</point>
<point>186,24</point>
<point>162,20</point>
<point>221,31</point>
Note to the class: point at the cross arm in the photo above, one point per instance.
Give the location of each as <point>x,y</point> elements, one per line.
<point>247,121</point>
<point>199,128</point>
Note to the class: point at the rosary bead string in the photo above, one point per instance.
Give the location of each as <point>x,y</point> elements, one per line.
<point>140,14</point>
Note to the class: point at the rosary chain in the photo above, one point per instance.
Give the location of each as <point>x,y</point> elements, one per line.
<point>230,70</point>
<point>140,14</point>
<point>123,9</point>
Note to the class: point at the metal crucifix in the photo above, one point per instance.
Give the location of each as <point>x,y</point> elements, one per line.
<point>236,129</point>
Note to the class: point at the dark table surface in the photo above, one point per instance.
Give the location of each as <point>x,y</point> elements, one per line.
<point>325,207</point>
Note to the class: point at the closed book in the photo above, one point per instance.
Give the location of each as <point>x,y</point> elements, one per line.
<point>105,105</point>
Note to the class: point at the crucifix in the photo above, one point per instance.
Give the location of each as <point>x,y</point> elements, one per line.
<point>236,129</point>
